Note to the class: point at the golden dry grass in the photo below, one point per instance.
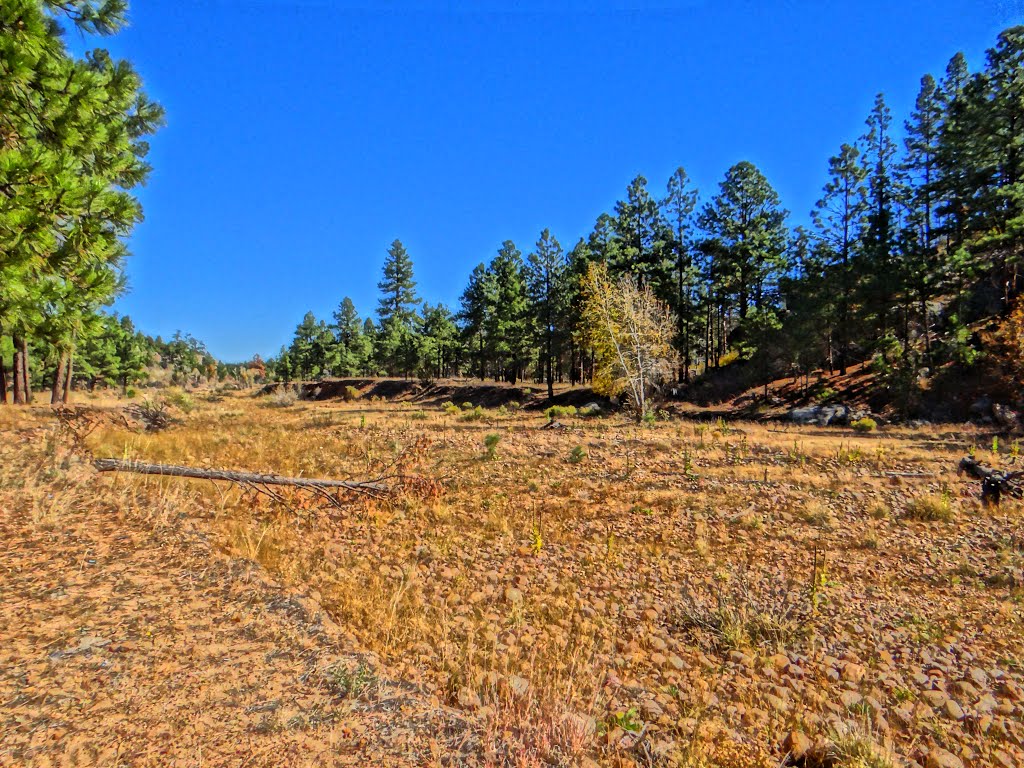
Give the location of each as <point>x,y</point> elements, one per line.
<point>543,584</point>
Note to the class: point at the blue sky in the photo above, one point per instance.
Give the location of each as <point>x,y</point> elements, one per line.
<point>303,136</point>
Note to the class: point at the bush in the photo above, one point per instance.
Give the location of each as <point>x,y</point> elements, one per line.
<point>350,683</point>
<point>418,415</point>
<point>930,509</point>
<point>824,394</point>
<point>866,424</point>
<point>560,411</point>
<point>451,409</point>
<point>577,455</point>
<point>474,414</point>
<point>491,444</point>
<point>349,393</point>
<point>467,406</point>
<point>130,392</point>
<point>284,397</point>
<point>153,414</point>
<point>180,399</point>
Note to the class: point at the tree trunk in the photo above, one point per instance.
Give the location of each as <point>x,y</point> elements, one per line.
<point>255,478</point>
<point>68,375</point>
<point>26,372</point>
<point>551,372</point>
<point>16,370</point>
<point>56,394</point>
<point>3,382</point>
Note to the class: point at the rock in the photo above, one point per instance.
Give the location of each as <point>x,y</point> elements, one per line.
<point>935,698</point>
<point>853,673</point>
<point>952,710</point>
<point>986,703</point>
<point>514,596</point>
<point>822,415</point>
<point>978,675</point>
<point>580,725</point>
<point>850,699</point>
<point>980,408</point>
<point>941,758</point>
<point>590,409</point>
<point>676,663</point>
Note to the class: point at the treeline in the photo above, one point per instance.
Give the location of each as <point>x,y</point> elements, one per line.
<point>918,233</point>
<point>111,352</point>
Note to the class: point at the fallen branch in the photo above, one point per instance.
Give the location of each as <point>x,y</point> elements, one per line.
<point>254,479</point>
<point>994,482</point>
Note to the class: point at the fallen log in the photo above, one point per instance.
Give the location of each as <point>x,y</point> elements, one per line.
<point>994,482</point>
<point>243,478</point>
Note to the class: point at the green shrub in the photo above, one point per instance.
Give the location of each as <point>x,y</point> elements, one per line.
<point>349,393</point>
<point>350,683</point>
<point>824,394</point>
<point>451,409</point>
<point>577,454</point>
<point>180,399</point>
<point>560,411</point>
<point>418,415</point>
<point>491,444</point>
<point>866,424</point>
<point>467,406</point>
<point>130,392</point>
<point>474,414</point>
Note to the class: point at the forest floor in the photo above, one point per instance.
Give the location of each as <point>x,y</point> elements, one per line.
<point>681,594</point>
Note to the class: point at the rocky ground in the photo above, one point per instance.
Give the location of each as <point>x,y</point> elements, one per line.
<point>685,594</point>
<point>125,640</point>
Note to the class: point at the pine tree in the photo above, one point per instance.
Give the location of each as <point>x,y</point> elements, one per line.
<point>474,305</point>
<point>350,341</point>
<point>678,207</point>
<point>881,277</point>
<point>921,262</point>
<point>507,324</point>
<point>747,248</point>
<point>839,217</point>
<point>546,269</point>
<point>71,150</point>
<point>999,118</point>
<point>641,231</point>
<point>396,312</point>
<point>439,342</point>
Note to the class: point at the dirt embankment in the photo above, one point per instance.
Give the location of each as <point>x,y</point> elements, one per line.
<point>493,395</point>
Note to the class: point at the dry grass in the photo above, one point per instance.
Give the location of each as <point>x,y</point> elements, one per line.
<point>547,595</point>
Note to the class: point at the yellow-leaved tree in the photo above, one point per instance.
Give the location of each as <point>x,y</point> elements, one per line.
<point>631,333</point>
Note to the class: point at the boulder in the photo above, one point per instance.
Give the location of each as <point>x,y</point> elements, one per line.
<point>981,409</point>
<point>821,415</point>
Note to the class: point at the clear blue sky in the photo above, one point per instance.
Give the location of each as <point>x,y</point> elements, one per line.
<point>303,136</point>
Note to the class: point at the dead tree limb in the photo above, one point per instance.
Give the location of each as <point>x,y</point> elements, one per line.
<point>252,479</point>
<point>994,482</point>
